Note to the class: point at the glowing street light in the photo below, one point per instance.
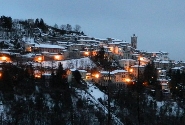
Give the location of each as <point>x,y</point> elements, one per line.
<point>86,53</point>
<point>97,75</point>
<point>38,76</point>
<point>141,58</point>
<point>127,80</point>
<point>40,59</point>
<point>131,70</point>
<point>4,58</point>
<point>57,57</point>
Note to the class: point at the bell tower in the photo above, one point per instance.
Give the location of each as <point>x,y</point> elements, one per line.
<point>134,41</point>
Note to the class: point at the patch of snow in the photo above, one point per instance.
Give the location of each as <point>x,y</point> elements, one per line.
<point>37,89</point>
<point>95,92</point>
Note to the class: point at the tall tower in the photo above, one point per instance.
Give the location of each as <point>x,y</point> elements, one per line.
<point>134,41</point>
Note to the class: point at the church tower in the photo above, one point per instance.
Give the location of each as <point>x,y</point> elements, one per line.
<point>134,41</point>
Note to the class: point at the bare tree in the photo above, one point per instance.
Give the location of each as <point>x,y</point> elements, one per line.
<point>63,27</point>
<point>77,28</point>
<point>69,27</point>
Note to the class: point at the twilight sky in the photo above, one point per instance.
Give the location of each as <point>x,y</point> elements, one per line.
<point>159,24</point>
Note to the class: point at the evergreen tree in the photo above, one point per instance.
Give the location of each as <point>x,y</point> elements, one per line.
<point>82,33</point>
<point>42,25</point>
<point>183,78</point>
<point>56,26</point>
<point>6,23</point>
<point>61,77</point>
<point>77,76</point>
<point>53,80</point>
<point>37,22</point>
<point>150,74</point>
<point>101,53</point>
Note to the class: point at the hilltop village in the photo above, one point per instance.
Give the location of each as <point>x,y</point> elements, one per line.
<point>35,45</point>
<point>53,72</point>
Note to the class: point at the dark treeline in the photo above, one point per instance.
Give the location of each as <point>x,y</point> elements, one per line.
<point>53,101</point>
<point>7,24</point>
<point>26,98</point>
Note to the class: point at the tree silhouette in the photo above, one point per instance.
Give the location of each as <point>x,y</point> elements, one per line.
<point>42,25</point>
<point>6,23</point>
<point>77,76</point>
<point>77,28</point>
<point>37,22</point>
<point>150,74</point>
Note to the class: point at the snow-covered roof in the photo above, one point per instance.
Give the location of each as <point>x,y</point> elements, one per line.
<point>46,74</point>
<point>104,72</point>
<point>106,47</point>
<point>87,40</point>
<point>45,52</point>
<point>5,52</point>
<point>29,55</point>
<point>100,39</point>
<point>176,68</point>
<point>113,43</point>
<point>72,70</point>
<point>162,80</point>
<point>164,84</point>
<point>163,52</point>
<point>127,59</point>
<point>153,52</point>
<point>82,71</point>
<point>79,44</point>
<point>116,40</point>
<point>112,72</point>
<point>164,61</point>
<point>136,66</point>
<point>85,36</point>
<point>48,46</point>
<point>116,71</point>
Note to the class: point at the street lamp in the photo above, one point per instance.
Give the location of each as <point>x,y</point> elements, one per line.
<point>131,70</point>
<point>86,53</point>
<point>56,57</point>
<point>39,59</point>
<point>127,80</point>
<point>97,75</point>
<point>4,58</point>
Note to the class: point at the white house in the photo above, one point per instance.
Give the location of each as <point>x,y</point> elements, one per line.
<point>126,63</point>
<point>48,48</point>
